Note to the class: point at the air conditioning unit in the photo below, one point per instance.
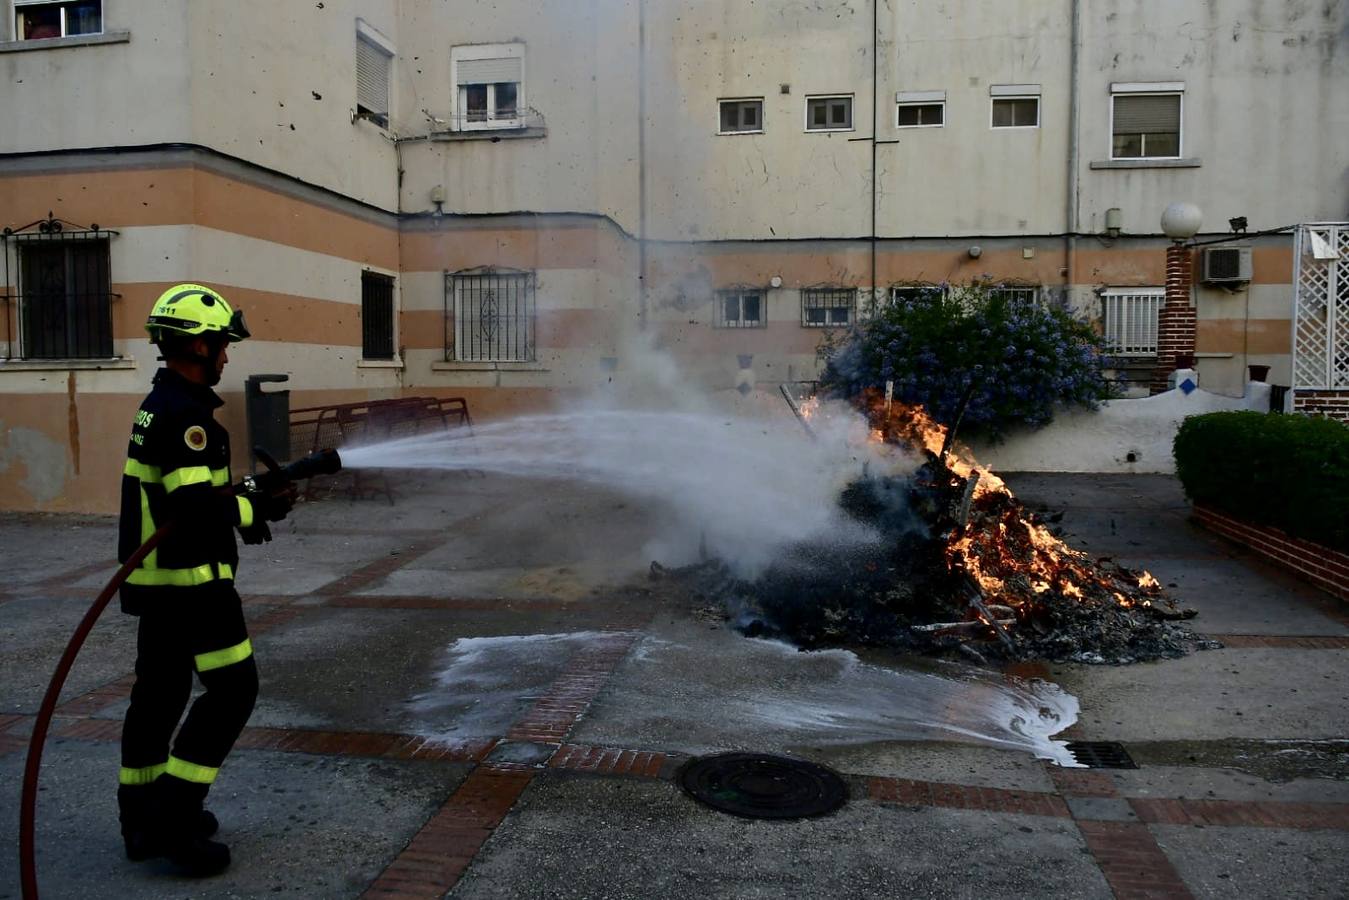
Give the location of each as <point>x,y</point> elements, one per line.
<point>1227,265</point>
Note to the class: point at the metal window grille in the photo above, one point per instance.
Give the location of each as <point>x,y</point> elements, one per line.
<point>62,294</point>
<point>914,292</point>
<point>828,307</point>
<point>1129,320</point>
<point>490,315</point>
<point>741,309</point>
<point>376,316</point>
<point>1028,296</point>
<point>372,80</point>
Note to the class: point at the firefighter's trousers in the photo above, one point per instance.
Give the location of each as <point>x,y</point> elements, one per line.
<point>205,635</point>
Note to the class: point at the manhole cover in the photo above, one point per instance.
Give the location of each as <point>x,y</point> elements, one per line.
<point>1101,754</point>
<point>759,786</point>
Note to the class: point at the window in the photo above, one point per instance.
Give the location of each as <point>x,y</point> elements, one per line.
<point>1016,294</point>
<point>1016,112</point>
<point>921,115</point>
<point>376,316</point>
<point>1145,121</point>
<point>827,307</point>
<point>913,293</point>
<point>741,309</point>
<point>493,315</point>
<point>741,116</point>
<point>1129,320</point>
<point>489,86</point>
<point>829,113</point>
<point>65,295</point>
<point>38,19</point>
<point>374,58</point>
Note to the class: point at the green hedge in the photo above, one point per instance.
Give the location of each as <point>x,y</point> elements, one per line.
<point>1291,472</point>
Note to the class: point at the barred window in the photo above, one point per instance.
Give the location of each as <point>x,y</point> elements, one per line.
<point>64,298</point>
<point>376,316</point>
<point>914,292</point>
<point>1129,320</point>
<point>741,309</point>
<point>1015,294</point>
<point>492,312</point>
<point>828,307</point>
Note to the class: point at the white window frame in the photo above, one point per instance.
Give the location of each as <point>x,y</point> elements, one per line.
<point>1155,297</point>
<point>920,98</point>
<point>458,101</point>
<point>721,320</point>
<point>999,92</point>
<point>852,109</point>
<point>65,29</point>
<point>1148,89</point>
<point>758,100</point>
<point>373,38</point>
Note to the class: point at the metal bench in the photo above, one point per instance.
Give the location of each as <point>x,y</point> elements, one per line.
<point>342,424</point>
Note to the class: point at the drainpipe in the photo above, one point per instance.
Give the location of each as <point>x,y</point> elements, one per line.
<point>1070,213</point>
<point>875,136</point>
<point>641,165</point>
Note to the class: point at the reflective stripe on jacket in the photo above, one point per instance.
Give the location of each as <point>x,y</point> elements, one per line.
<point>177,460</point>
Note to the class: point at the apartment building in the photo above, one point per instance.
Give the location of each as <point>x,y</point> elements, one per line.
<point>494,200</point>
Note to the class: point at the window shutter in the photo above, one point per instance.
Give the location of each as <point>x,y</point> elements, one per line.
<point>372,77</point>
<point>490,71</point>
<point>1147,114</point>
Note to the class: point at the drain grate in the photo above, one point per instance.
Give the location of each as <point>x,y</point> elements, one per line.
<point>761,786</point>
<point>1101,754</point>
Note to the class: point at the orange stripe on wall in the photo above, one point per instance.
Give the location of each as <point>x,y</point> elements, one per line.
<point>271,316</point>
<point>189,196</point>
<point>1260,336</point>
<point>558,247</point>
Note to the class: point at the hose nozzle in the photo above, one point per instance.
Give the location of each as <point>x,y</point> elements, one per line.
<point>320,462</point>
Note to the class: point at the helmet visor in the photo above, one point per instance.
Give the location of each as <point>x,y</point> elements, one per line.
<point>238,330</point>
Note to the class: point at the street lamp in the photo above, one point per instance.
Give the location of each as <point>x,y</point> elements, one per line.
<point>1176,326</point>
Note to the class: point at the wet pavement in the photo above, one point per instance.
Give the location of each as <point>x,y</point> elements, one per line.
<point>475,691</point>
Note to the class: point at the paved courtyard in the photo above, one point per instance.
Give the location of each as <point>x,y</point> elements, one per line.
<point>476,691</point>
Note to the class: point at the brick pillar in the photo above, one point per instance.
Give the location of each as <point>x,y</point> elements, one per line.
<point>1176,319</point>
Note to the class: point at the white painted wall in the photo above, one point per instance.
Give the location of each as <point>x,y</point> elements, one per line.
<point>1101,441</point>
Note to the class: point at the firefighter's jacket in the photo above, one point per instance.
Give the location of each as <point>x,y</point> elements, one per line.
<point>177,462</point>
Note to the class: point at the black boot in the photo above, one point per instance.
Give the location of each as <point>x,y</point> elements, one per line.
<point>178,830</point>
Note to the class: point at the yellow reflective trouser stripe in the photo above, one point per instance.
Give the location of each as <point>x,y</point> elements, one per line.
<point>140,776</point>
<point>245,512</point>
<point>190,771</point>
<point>217,659</point>
<point>180,577</point>
<point>185,476</point>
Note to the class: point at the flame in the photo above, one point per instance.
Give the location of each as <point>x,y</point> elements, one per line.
<point>1017,560</point>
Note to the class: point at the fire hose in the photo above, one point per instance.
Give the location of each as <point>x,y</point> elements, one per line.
<point>322,462</point>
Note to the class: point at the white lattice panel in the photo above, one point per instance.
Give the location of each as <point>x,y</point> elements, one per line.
<point>1321,309</point>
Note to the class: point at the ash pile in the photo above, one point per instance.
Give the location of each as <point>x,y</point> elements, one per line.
<point>962,568</point>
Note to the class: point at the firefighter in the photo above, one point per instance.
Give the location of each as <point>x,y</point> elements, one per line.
<point>190,618</point>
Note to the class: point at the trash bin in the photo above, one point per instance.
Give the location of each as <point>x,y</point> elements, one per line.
<point>268,414</point>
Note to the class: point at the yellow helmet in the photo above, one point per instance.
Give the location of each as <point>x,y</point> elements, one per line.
<point>193,310</point>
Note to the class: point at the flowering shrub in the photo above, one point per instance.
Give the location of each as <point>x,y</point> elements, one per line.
<point>1005,362</point>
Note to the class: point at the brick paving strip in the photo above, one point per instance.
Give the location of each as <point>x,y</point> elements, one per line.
<point>1134,864</point>
<point>1283,641</point>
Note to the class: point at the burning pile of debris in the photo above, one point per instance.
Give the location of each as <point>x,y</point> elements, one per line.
<point>963,567</point>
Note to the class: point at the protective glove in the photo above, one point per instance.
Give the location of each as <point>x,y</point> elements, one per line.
<point>257,533</point>
<point>274,505</point>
